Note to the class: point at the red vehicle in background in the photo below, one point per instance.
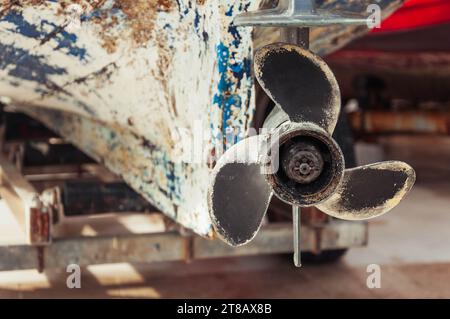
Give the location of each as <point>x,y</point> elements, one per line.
<point>417,14</point>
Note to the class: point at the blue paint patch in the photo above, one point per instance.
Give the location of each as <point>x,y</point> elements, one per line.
<point>173,181</point>
<point>172,189</point>
<point>196,20</point>
<point>231,74</point>
<point>22,26</point>
<point>160,158</point>
<point>26,66</point>
<point>66,41</point>
<point>100,14</point>
<point>229,13</point>
<point>232,29</point>
<point>244,7</point>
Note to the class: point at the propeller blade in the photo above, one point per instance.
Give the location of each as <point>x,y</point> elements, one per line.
<point>300,83</point>
<point>238,196</point>
<point>370,191</point>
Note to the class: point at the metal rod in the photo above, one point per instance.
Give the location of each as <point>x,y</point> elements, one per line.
<point>297,223</point>
<point>302,6</point>
<point>297,36</point>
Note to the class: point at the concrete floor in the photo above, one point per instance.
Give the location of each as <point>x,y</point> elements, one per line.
<point>411,244</point>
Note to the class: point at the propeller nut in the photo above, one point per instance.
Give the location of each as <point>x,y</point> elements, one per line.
<point>302,162</point>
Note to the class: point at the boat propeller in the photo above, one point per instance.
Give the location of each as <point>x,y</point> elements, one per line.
<point>295,157</point>
<point>298,161</point>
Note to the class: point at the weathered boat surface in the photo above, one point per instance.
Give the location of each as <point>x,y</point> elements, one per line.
<point>133,83</point>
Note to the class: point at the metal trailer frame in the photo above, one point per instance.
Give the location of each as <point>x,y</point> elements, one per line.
<point>53,240</point>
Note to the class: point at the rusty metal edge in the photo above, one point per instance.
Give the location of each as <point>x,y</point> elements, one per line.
<point>31,214</point>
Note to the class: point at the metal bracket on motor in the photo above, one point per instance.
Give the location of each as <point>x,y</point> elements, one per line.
<point>298,13</point>
<point>294,17</point>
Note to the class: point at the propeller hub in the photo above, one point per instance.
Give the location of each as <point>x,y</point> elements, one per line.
<point>311,165</point>
<point>302,162</point>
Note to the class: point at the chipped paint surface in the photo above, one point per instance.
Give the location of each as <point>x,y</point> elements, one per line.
<point>125,83</point>
<point>173,187</point>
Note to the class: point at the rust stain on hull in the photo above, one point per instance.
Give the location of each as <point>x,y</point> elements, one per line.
<point>140,16</point>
